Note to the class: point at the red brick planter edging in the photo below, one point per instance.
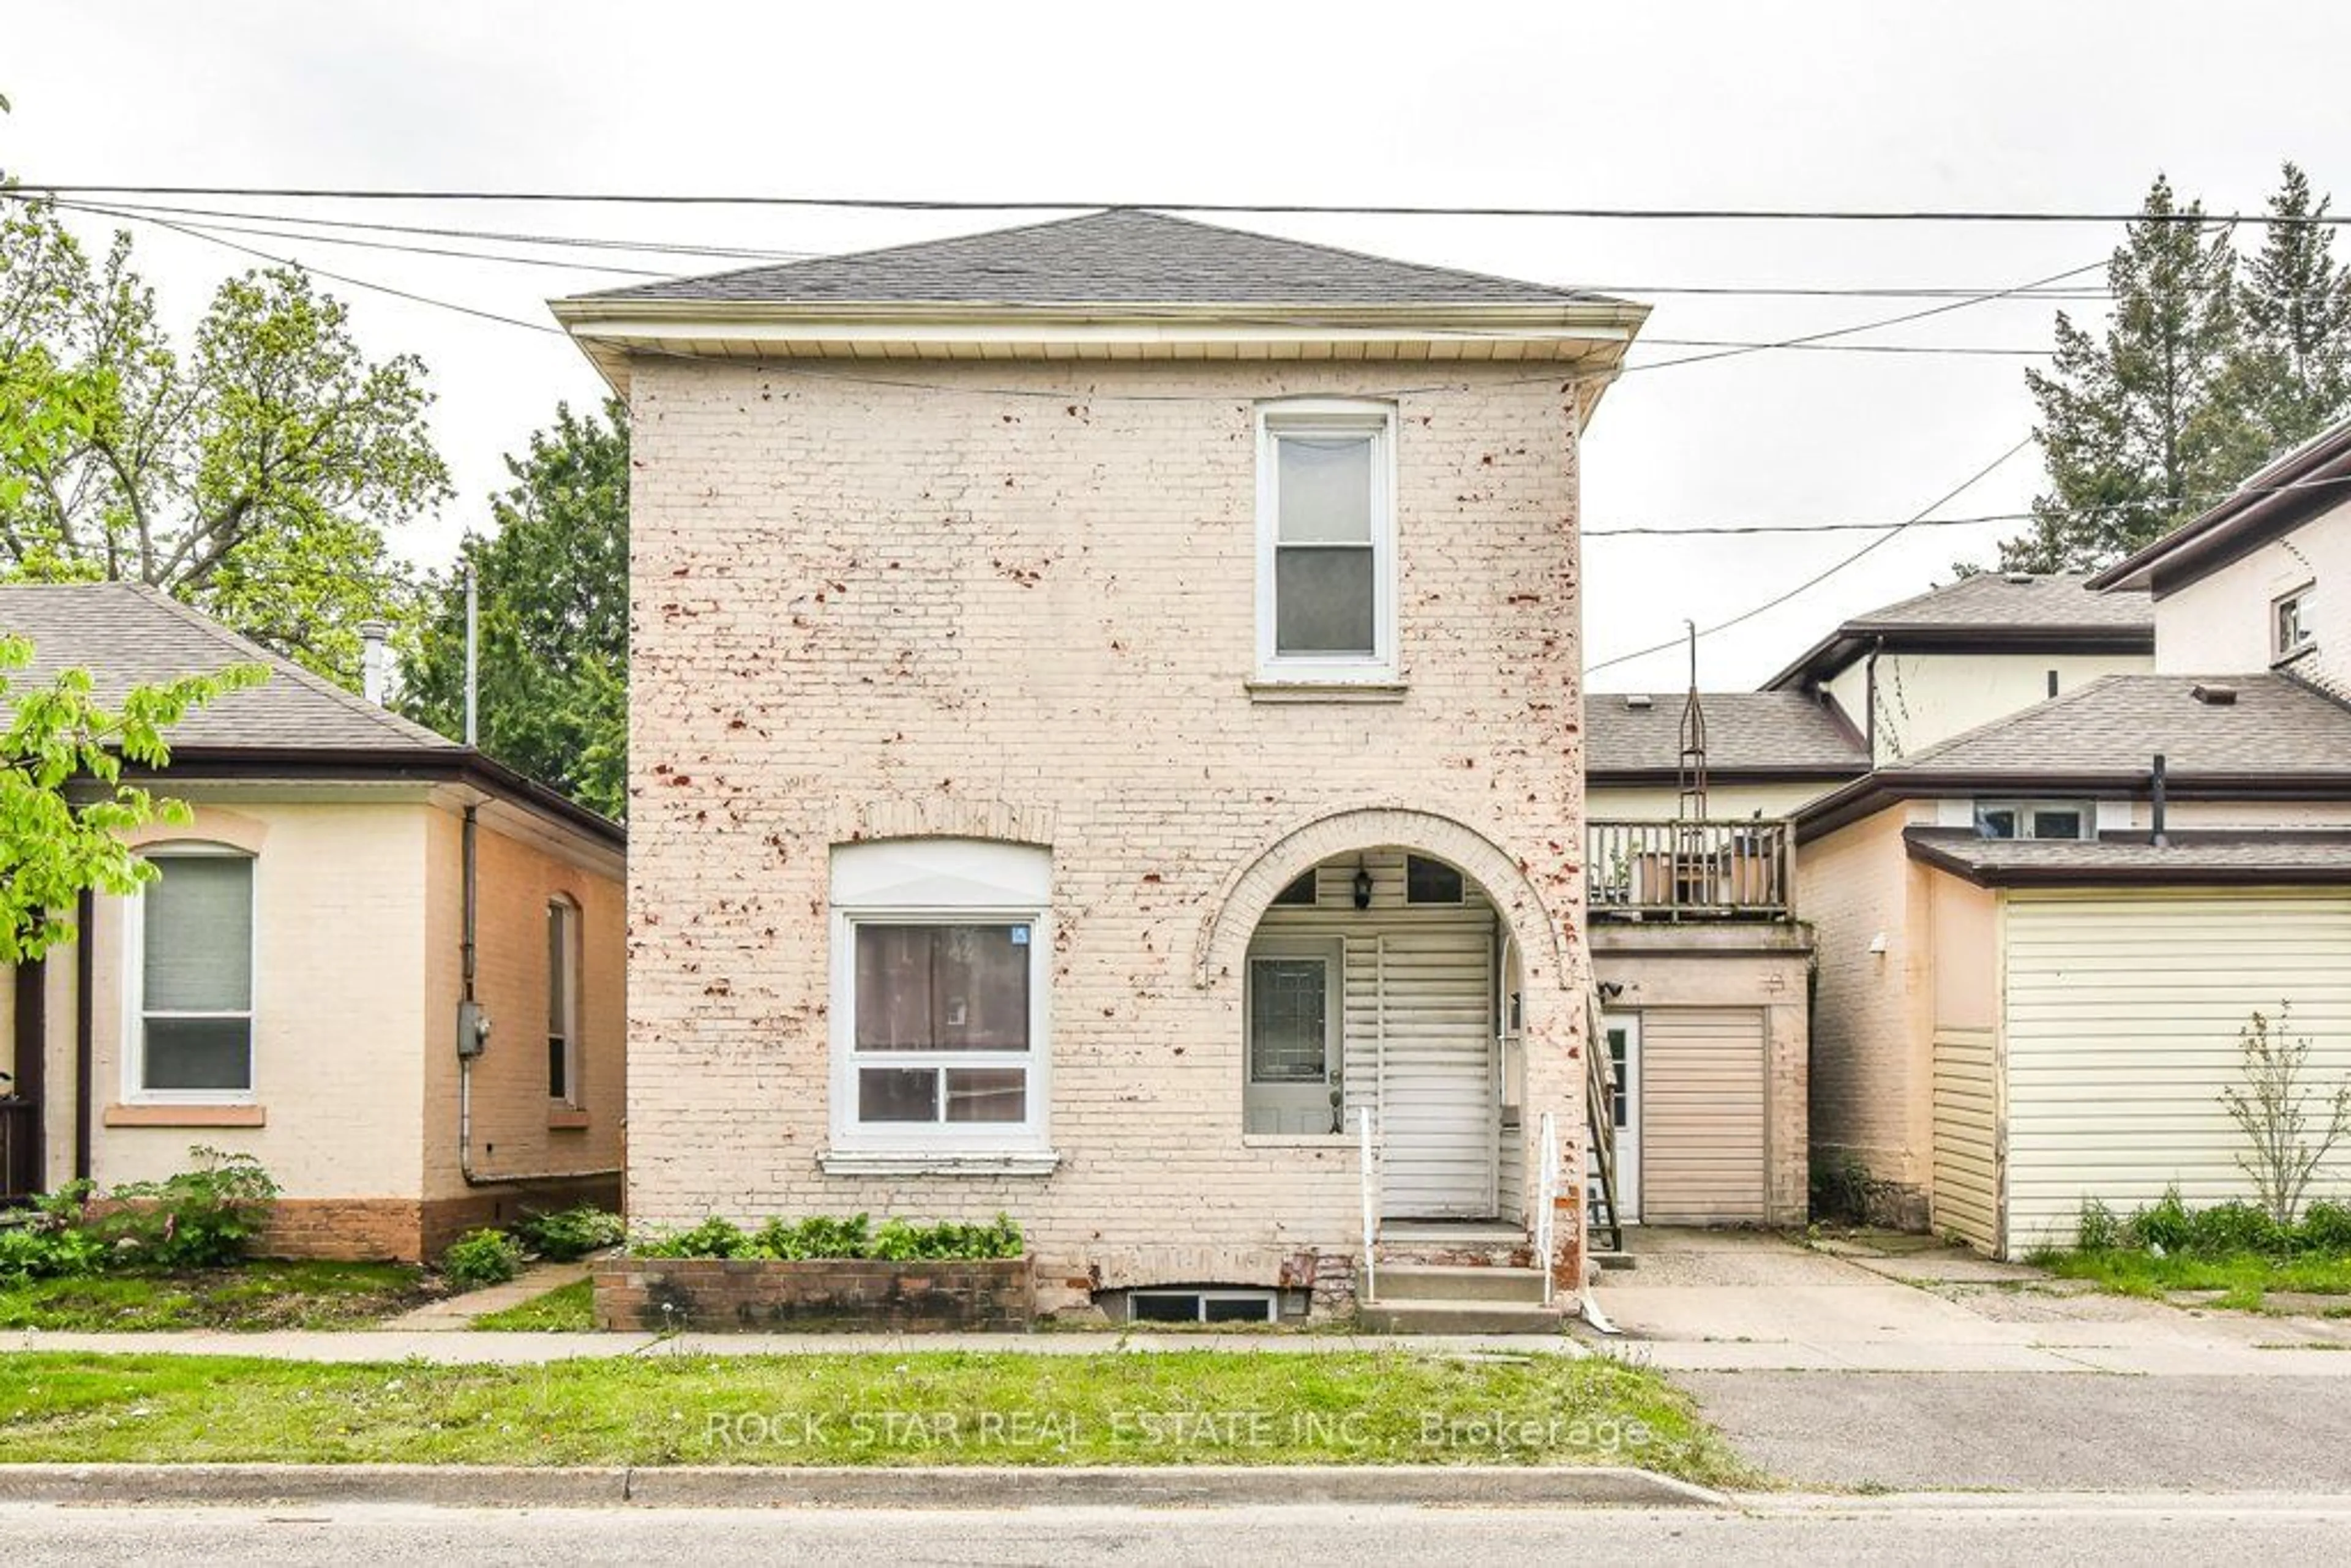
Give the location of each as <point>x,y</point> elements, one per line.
<point>763,1294</point>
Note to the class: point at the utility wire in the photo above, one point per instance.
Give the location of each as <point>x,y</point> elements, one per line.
<point>1659,530</point>
<point>1336,209</point>
<point>1892,534</point>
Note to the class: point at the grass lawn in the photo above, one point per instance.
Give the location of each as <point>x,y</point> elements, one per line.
<point>567,1309</point>
<point>2246,1278</point>
<point>920,1407</point>
<point>256,1295</point>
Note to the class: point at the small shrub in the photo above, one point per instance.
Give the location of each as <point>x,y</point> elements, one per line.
<point>713,1237</point>
<point>2326,1227</point>
<point>1840,1191</point>
<point>2231,1227</point>
<point>199,1218</point>
<point>482,1258</point>
<point>571,1233</point>
<point>2167,1227</point>
<point>2098,1229</point>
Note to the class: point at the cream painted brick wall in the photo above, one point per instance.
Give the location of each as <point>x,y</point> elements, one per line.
<point>1871,1013</point>
<point>861,607</point>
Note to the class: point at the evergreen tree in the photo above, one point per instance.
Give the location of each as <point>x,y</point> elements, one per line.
<point>2293,375</point>
<point>2137,426</point>
<point>554,605</point>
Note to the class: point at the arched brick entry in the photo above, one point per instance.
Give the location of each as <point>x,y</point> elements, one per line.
<point>1250,890</point>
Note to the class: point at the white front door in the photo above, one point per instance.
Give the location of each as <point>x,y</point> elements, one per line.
<point>1623,1031</point>
<point>1295,1016</point>
<point>1435,1040</point>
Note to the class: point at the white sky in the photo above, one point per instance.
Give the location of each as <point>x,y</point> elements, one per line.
<point>1977,104</point>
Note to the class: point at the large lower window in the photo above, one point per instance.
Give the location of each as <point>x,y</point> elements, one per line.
<point>939,995</point>
<point>1326,542</point>
<point>191,977</point>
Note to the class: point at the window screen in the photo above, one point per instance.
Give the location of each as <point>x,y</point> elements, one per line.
<point>1325,558</point>
<point>197,974</point>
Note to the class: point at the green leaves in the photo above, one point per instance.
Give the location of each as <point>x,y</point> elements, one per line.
<point>554,591</point>
<point>63,807</point>
<point>256,476</point>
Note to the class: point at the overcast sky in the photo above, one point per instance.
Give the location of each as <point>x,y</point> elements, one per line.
<point>1870,105</point>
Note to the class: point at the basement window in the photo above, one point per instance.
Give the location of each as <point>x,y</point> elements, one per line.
<point>1203,1306</point>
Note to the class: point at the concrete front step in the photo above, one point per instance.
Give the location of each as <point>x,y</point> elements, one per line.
<point>1461,1317</point>
<point>1456,1283</point>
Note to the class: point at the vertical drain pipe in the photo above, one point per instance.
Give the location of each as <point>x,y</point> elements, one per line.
<point>2158,811</point>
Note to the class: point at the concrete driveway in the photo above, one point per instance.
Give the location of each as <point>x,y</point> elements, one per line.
<point>1726,1300</point>
<point>1896,1363</point>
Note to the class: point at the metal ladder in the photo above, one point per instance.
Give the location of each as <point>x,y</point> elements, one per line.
<point>1600,1114</point>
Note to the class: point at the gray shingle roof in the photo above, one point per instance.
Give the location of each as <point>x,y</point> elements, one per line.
<point>1122,256</point>
<point>2116,724</point>
<point>1778,732</point>
<point>1996,600</point>
<point>126,636</point>
<point>2242,859</point>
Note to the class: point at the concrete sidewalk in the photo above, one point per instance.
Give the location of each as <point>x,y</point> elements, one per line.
<point>1739,1300</point>
<point>438,1346</point>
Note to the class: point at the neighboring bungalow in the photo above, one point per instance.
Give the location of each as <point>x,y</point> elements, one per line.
<point>1106,717</point>
<point>2038,941</point>
<point>1697,944</point>
<point>300,982</point>
<point>1979,649</point>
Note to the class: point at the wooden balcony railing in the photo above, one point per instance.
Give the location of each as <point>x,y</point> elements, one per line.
<point>1736,870</point>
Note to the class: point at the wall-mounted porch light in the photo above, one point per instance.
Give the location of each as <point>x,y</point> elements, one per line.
<point>1363,885</point>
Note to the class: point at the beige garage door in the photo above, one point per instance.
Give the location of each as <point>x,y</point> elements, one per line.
<point>1702,1115</point>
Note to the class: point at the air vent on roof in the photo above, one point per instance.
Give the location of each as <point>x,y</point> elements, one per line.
<point>2020,579</point>
<point>2213,697</point>
<point>1639,702</point>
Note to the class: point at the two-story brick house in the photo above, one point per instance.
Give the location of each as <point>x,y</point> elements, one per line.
<point>1105,748</point>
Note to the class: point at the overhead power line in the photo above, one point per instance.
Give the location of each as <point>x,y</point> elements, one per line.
<point>1660,530</point>
<point>1333,209</point>
<point>1814,580</point>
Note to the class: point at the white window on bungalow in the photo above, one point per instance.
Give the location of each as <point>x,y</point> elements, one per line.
<point>189,970</point>
<point>2035,820</point>
<point>939,993</point>
<point>563,1000</point>
<point>2290,628</point>
<point>1326,542</point>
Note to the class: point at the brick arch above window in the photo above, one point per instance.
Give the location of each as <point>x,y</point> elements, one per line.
<point>942,815</point>
<point>1252,887</point>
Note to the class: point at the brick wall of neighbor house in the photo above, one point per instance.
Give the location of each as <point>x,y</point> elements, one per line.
<point>865,609</point>
<point>1872,1013</point>
<point>516,1131</point>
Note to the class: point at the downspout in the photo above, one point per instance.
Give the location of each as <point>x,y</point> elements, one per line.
<point>84,1054</point>
<point>2157,805</point>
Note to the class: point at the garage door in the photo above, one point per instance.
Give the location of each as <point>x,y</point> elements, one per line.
<point>1702,1115</point>
<point>2123,1015</point>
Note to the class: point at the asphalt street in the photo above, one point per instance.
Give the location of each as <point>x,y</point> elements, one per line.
<point>2140,1534</point>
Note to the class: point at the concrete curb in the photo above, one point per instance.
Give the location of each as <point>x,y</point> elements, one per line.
<point>971,1487</point>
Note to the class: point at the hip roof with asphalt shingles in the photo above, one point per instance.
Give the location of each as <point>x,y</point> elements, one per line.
<point>1746,732</point>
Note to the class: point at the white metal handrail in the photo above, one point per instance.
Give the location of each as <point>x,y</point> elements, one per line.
<point>1547,1199</point>
<point>1367,1134</point>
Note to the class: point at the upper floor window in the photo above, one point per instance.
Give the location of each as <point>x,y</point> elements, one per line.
<point>563,1000</point>
<point>2290,628</point>
<point>2035,820</point>
<point>190,972</point>
<point>1326,541</point>
<point>939,995</point>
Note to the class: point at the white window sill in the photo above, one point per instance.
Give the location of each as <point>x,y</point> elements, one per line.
<point>1308,690</point>
<point>2281,661</point>
<point>1298,1141</point>
<point>939,1162</point>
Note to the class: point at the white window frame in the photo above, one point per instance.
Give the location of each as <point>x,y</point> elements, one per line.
<point>1328,416</point>
<point>2024,809</point>
<point>135,983</point>
<point>2298,600</point>
<point>952,895</point>
<point>571,1098</point>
